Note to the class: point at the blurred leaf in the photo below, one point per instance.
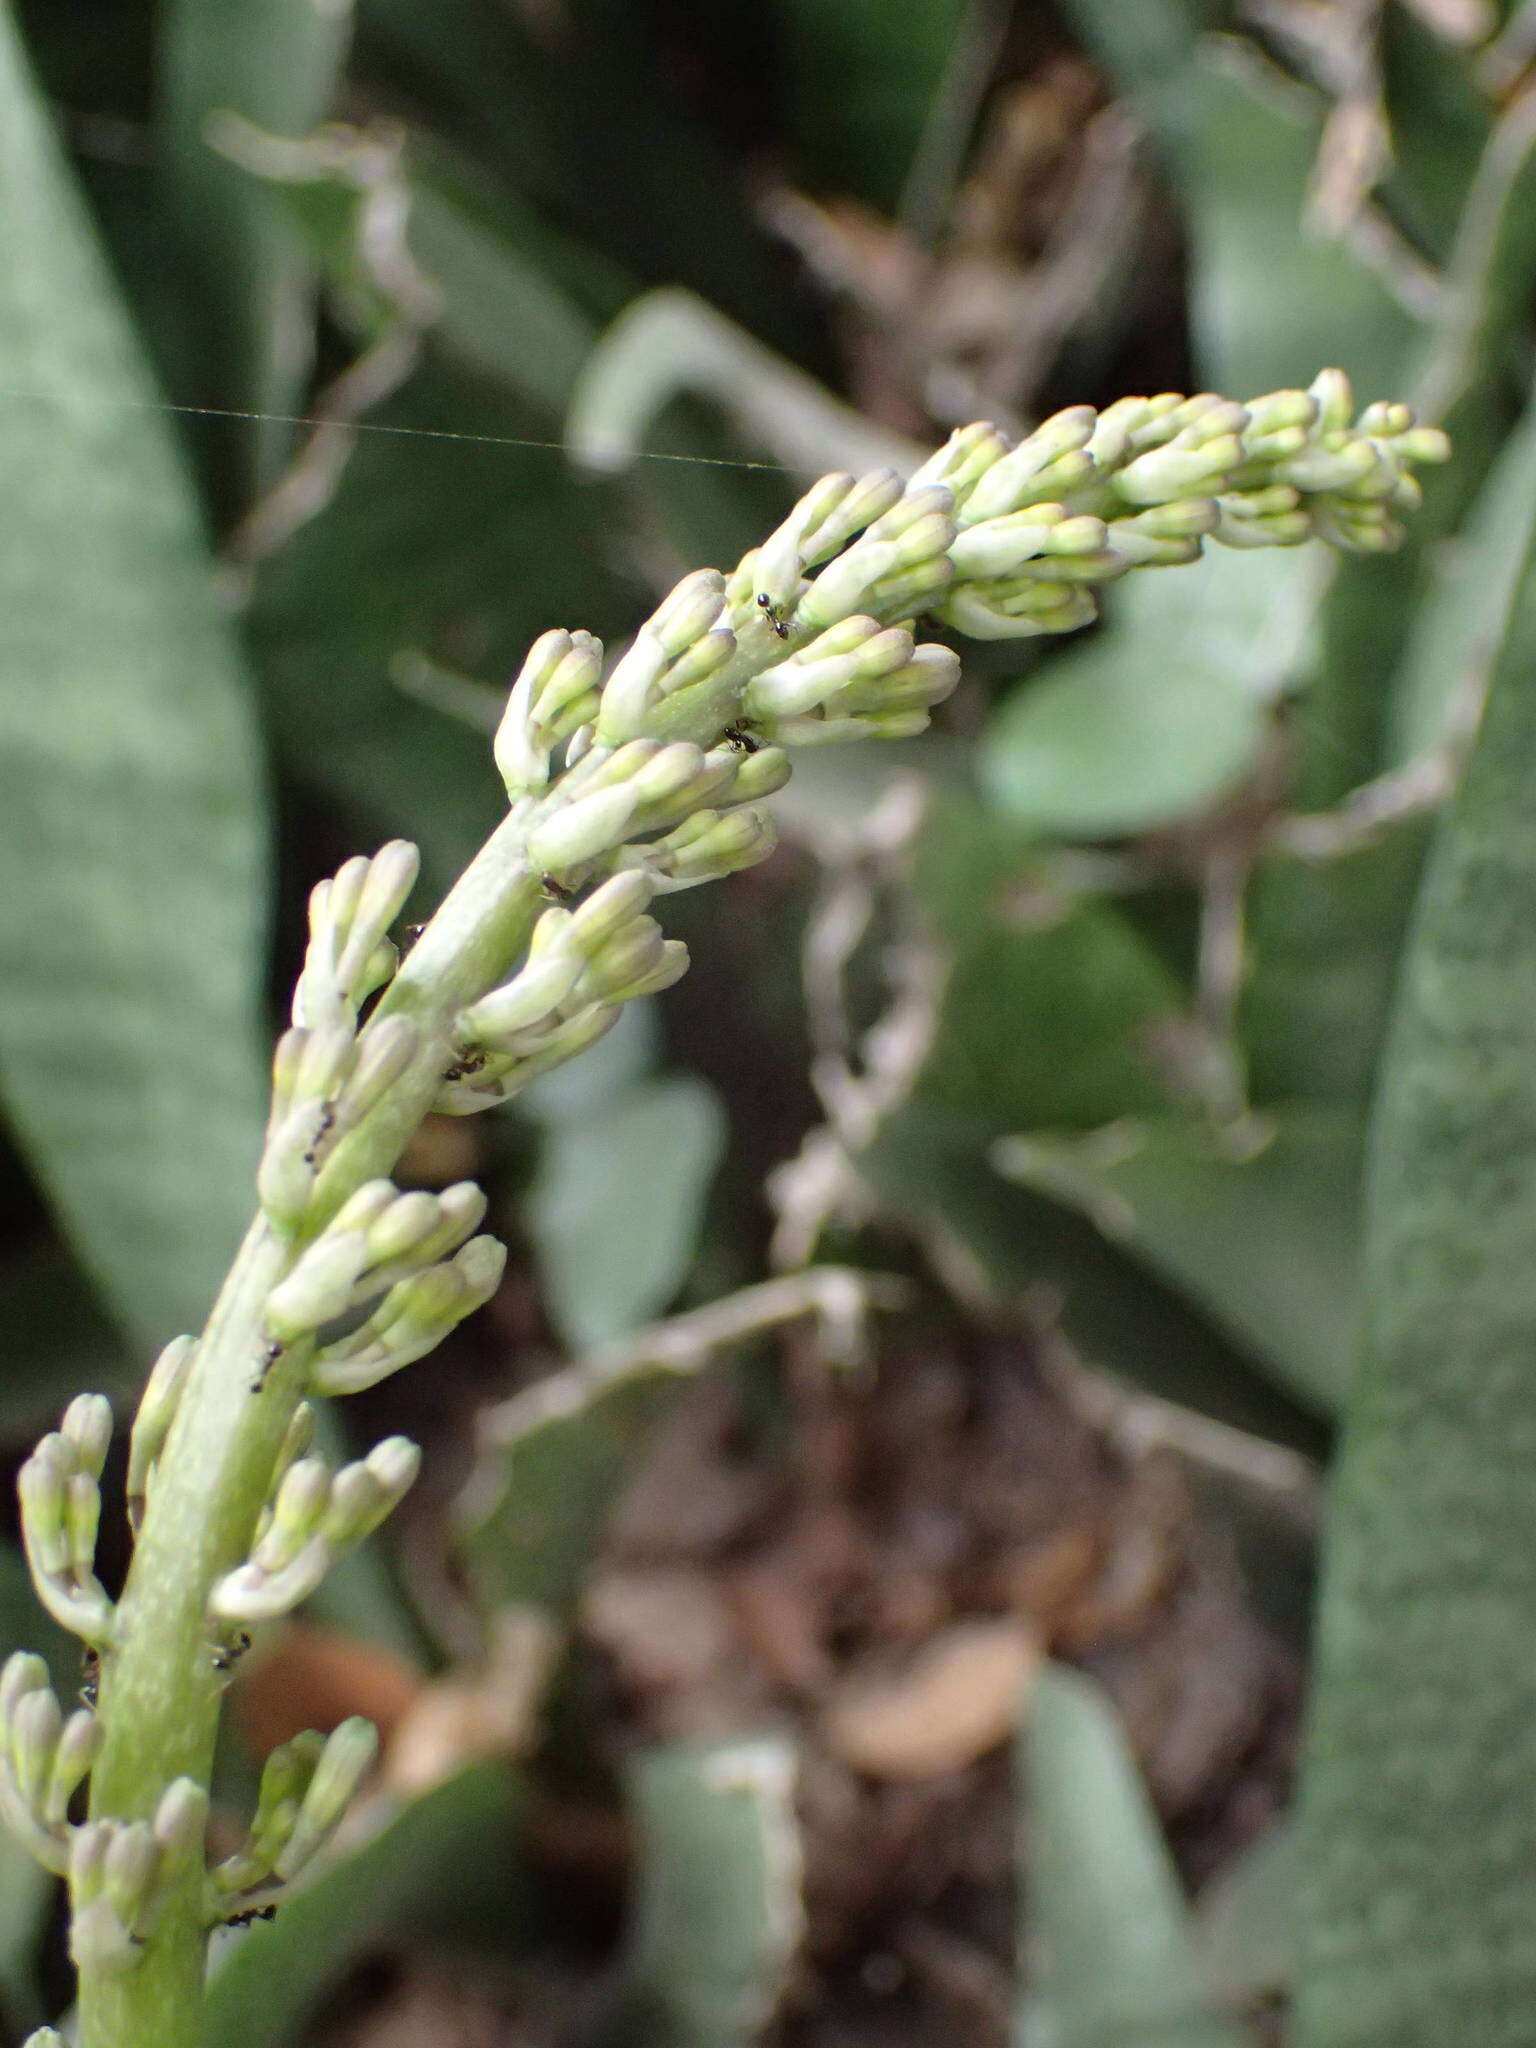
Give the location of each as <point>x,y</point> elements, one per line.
<point>590,124</point>
<point>931,1171</point>
<point>1265,1244</point>
<point>56,1341</point>
<point>457,1843</point>
<point>1159,714</point>
<point>131,927</point>
<point>500,311</point>
<point>718,1914</point>
<point>1439,118</point>
<point>1110,1962</point>
<point>436,545</point>
<point>858,96</point>
<point>548,1475</point>
<point>614,1208</point>
<point>1245,1928</point>
<point>670,343</point>
<point>1056,1014</point>
<point>1417,1854</point>
<point>1461,626</point>
<point>274,62</point>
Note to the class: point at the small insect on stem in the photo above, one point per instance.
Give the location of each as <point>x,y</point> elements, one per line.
<point>227,1655</point>
<point>271,1353</point>
<point>557,892</point>
<point>744,742</point>
<point>412,933</point>
<point>90,1675</point>
<point>466,1064</point>
<point>323,1130</point>
<point>249,1913</point>
<point>772,614</point>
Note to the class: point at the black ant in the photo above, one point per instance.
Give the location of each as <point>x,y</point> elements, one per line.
<point>90,1676</point>
<point>271,1353</point>
<point>247,1914</point>
<point>466,1064</point>
<point>742,740</point>
<point>412,933</point>
<point>557,891</point>
<point>323,1130</point>
<point>772,614</point>
<point>227,1655</point>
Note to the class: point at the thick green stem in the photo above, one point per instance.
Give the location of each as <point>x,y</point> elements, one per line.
<point>159,1689</point>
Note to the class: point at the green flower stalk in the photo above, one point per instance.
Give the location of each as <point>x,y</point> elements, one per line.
<point>623,786</point>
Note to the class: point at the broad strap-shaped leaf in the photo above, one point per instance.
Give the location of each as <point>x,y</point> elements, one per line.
<point>1419,1847</point>
<point>1263,1241</point>
<point>1109,1958</point>
<point>718,1911</point>
<point>130,801</point>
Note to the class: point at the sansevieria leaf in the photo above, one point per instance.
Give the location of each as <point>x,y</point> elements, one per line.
<point>130,805</point>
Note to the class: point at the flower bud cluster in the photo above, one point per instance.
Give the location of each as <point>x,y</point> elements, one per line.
<point>314,1519</point>
<point>556,691</point>
<point>403,1269</point>
<point>1089,495</point>
<point>122,1871</point>
<point>45,1757</point>
<point>856,679</point>
<point>60,1492</point>
<point>306,1787</point>
<point>325,1077</point>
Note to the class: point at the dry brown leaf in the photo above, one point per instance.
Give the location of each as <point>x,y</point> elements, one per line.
<point>958,1698</point>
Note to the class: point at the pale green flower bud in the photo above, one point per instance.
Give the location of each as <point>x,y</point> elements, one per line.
<point>867,500</point>
<point>1177,470</point>
<point>1048,464</point>
<point>996,547</point>
<point>344,1762</point>
<point>302,1497</point>
<point>962,461</point>
<point>533,995</point>
<point>926,679</point>
<point>35,1728</point>
<point>363,1209</point>
<point>606,912</point>
<point>607,767</point>
<point>758,775</point>
<point>711,844</point>
<point>363,1494</point>
<point>582,831</point>
<point>687,612</point>
<point>320,1286</point>
<point>1334,465</point>
<point>152,1422</point>
<point>87,1424</point>
<point>998,612</point>
<point>384,1053</point>
<point>1335,401</point>
<point>285,1778</point>
<point>624,962</point>
<point>78,1747</point>
<point>1279,410</point>
<point>556,690</point>
<point>680,777</point>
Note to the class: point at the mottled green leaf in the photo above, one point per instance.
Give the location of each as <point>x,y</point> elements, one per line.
<point>130,926</point>
<point>1419,1853</point>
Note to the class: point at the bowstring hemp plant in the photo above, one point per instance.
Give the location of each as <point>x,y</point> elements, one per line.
<point>620,789</point>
